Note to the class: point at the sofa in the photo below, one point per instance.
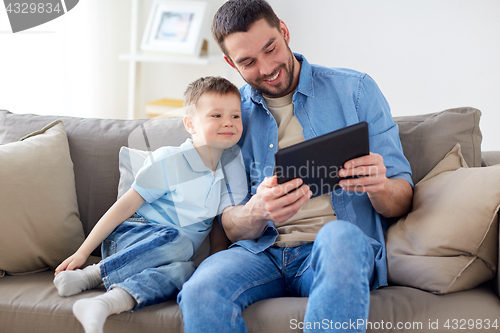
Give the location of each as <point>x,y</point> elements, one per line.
<point>29,301</point>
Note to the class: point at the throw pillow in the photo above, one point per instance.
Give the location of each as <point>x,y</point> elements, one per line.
<point>427,138</point>
<point>40,224</point>
<point>448,242</point>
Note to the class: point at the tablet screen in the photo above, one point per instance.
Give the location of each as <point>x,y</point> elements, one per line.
<point>317,161</point>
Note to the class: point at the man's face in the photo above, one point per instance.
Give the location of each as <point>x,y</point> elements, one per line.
<point>262,57</point>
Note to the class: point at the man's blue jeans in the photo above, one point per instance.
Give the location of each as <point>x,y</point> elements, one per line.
<point>148,260</point>
<point>335,272</point>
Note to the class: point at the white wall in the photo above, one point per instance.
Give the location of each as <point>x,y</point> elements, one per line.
<point>166,80</point>
<point>426,56</point>
<point>68,66</point>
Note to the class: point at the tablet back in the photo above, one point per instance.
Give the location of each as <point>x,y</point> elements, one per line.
<point>318,160</point>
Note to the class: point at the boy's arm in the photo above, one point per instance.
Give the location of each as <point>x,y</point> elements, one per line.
<point>218,238</point>
<point>121,210</point>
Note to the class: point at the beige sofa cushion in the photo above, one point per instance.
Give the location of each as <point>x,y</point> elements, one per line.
<point>38,308</point>
<point>427,138</point>
<point>448,242</point>
<point>39,222</point>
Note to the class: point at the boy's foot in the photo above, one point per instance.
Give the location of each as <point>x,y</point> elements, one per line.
<point>92,312</point>
<point>70,283</point>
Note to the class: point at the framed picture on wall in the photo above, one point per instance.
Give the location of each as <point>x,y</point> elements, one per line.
<point>175,27</point>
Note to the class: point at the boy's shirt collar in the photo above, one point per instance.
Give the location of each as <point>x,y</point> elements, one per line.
<point>194,159</point>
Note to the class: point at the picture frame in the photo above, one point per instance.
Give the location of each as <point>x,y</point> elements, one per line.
<point>175,27</point>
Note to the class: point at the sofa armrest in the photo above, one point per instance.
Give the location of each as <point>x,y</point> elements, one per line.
<point>497,277</point>
<point>490,158</point>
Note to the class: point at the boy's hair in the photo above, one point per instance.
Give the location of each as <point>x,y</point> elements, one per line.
<point>208,84</point>
<point>238,16</point>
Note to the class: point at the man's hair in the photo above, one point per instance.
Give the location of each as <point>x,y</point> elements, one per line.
<point>238,15</point>
<point>208,84</point>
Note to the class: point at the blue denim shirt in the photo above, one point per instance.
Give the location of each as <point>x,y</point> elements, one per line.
<point>325,100</point>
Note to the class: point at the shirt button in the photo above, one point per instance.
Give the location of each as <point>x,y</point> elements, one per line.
<point>267,112</point>
<point>271,145</point>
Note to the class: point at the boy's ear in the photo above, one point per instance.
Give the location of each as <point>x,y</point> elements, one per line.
<point>188,124</point>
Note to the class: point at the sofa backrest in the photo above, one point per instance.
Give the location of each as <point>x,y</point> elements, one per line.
<point>95,144</point>
<point>426,139</point>
<point>94,147</point>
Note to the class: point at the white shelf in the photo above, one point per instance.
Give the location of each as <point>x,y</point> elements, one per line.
<point>136,57</point>
<point>188,60</point>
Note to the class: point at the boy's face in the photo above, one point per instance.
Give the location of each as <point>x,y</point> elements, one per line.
<point>218,121</point>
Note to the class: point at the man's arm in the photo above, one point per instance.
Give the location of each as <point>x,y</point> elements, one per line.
<point>270,203</point>
<point>394,200</point>
<point>389,197</point>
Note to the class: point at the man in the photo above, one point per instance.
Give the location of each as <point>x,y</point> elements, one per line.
<point>329,248</point>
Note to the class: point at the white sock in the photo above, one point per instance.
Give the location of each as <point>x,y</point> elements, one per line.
<point>70,283</point>
<point>92,312</point>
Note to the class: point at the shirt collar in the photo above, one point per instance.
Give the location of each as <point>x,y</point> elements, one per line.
<point>305,86</point>
<point>191,155</point>
<point>195,161</point>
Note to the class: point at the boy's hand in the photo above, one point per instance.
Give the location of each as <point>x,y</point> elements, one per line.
<point>73,262</point>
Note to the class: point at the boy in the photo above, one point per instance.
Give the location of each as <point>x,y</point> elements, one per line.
<point>173,200</point>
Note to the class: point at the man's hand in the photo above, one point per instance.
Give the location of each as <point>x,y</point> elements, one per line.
<point>370,169</point>
<point>279,202</point>
<point>272,202</point>
<point>389,197</point>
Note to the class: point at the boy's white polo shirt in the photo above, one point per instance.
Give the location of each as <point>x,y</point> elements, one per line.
<point>180,190</point>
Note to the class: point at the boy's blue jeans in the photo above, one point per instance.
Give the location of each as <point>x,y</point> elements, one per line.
<point>335,272</point>
<point>148,260</point>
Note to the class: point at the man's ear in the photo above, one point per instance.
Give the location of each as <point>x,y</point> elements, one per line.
<point>188,124</point>
<point>284,31</point>
<point>230,62</point>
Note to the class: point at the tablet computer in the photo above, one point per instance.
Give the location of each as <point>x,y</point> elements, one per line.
<point>317,161</point>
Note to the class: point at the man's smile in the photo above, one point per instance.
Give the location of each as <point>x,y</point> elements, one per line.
<point>274,79</point>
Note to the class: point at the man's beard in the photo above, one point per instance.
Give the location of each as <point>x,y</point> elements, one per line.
<point>260,87</point>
